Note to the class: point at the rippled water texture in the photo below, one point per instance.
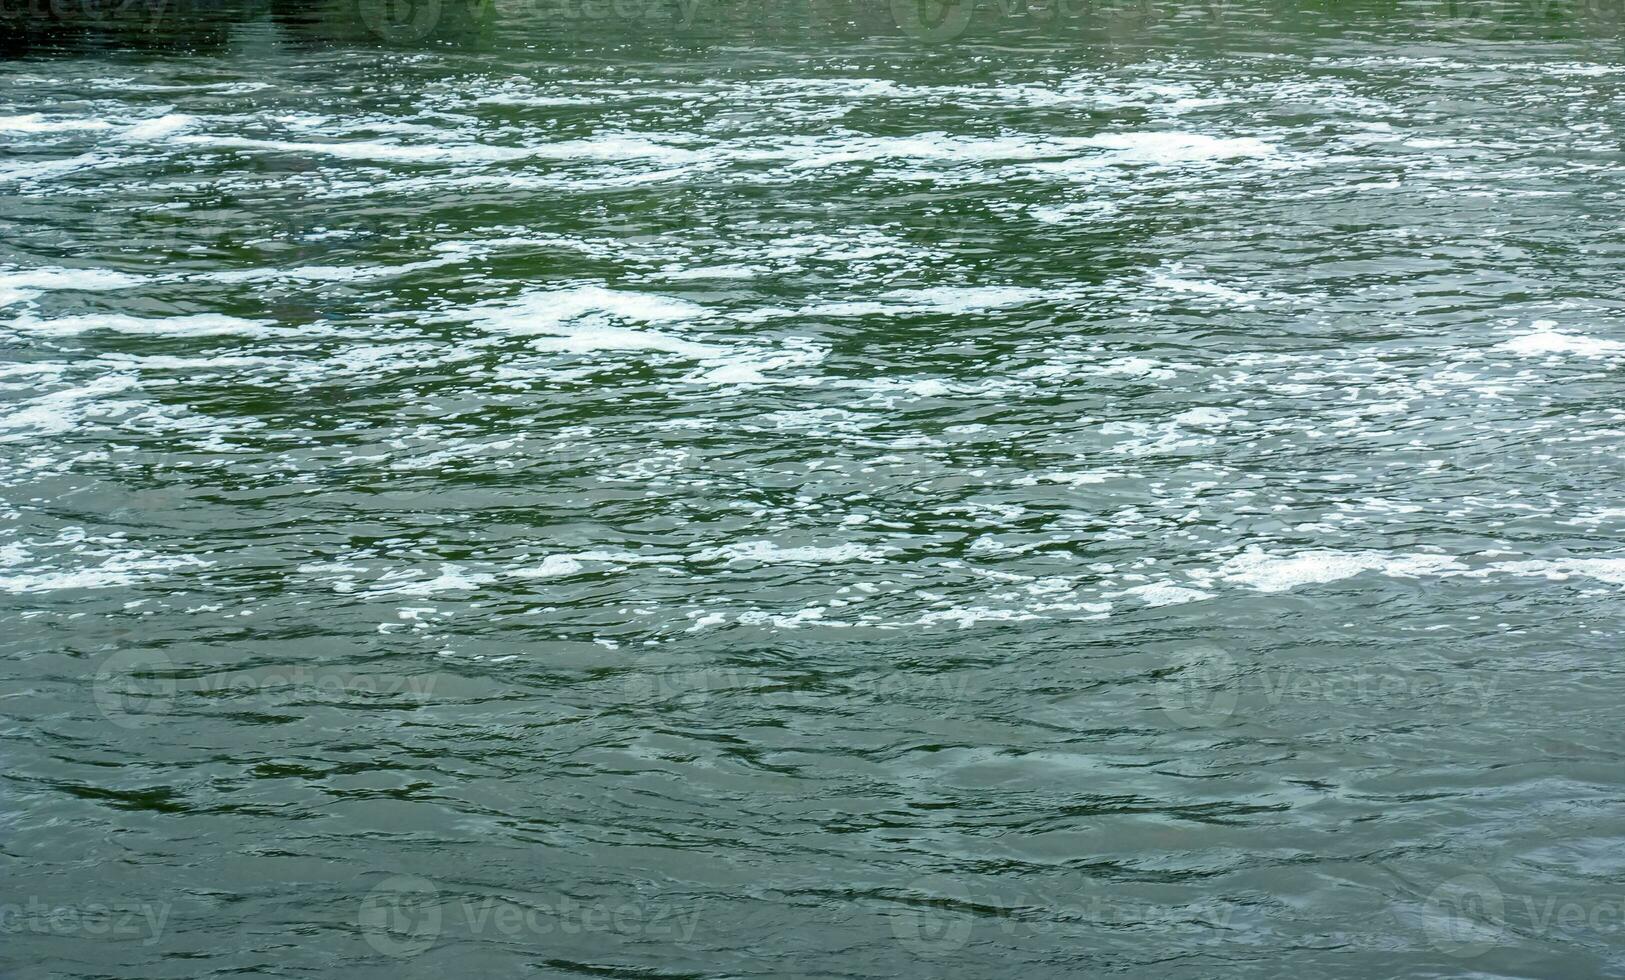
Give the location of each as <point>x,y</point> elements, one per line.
<point>1137,497</point>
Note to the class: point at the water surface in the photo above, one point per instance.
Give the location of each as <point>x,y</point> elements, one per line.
<point>1136,496</point>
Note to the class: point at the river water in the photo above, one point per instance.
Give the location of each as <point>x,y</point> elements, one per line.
<point>1134,492</point>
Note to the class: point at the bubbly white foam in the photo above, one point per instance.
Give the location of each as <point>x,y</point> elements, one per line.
<point>21,285</point>
<point>1164,594</point>
<point>771,553</point>
<point>938,299</point>
<point>198,325</point>
<point>1164,149</point>
<point>159,128</point>
<point>1177,279</point>
<point>1609,570</point>
<point>602,149</point>
<point>1265,572</point>
<point>61,411</point>
<point>589,339</point>
<point>37,123</point>
<point>119,568</point>
<point>592,319</point>
<point>452,578</point>
<point>1544,339</point>
<point>553,566</point>
<point>549,311</point>
<point>1208,417</point>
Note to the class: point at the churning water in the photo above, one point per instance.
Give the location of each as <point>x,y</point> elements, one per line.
<point>1133,491</point>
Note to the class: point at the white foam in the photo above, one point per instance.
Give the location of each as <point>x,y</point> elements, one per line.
<point>1069,213</point>
<point>551,310</point>
<point>938,147</point>
<point>198,325</point>
<point>1264,572</point>
<point>553,566</point>
<point>936,299</point>
<point>590,339</point>
<point>1208,417</point>
<point>749,367</point>
<point>117,570</point>
<point>1609,570</point>
<point>162,362</point>
<point>1164,594</point>
<point>1134,367</point>
<point>592,319</point>
<point>965,617</point>
<point>159,128</point>
<point>37,123</point>
<point>26,284</point>
<point>1158,149</point>
<point>328,273</point>
<point>582,319</point>
<point>1068,479</point>
<point>84,578</point>
<point>371,150</point>
<point>1175,279</point>
<point>452,578</point>
<point>602,149</point>
<point>769,553</point>
<point>1544,339</point>
<point>60,411</point>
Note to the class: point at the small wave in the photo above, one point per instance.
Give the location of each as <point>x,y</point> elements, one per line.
<point>1546,339</point>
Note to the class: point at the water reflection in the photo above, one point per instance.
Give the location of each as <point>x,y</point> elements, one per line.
<point>204,26</point>
<point>208,26</point>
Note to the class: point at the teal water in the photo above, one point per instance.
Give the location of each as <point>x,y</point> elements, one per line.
<point>1133,492</point>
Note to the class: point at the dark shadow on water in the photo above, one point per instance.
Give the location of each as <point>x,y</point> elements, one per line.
<point>210,27</point>
<point>630,27</point>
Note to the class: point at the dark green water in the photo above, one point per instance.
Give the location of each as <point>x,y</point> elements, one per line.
<point>1132,494</point>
